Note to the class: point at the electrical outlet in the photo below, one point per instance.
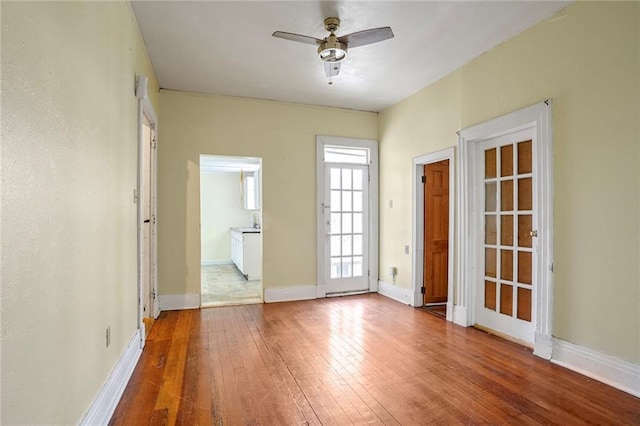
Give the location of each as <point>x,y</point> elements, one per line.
<point>406,249</point>
<point>390,204</point>
<point>108,336</point>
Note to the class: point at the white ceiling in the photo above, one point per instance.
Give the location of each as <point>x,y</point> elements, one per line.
<point>226,47</point>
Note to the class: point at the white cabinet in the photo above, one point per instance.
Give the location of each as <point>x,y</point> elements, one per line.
<point>246,252</point>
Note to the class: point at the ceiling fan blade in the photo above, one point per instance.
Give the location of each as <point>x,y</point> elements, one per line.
<point>297,37</point>
<point>331,69</point>
<point>362,38</point>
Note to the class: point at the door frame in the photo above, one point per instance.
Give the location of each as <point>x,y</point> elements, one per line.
<point>372,145</point>
<point>418,225</point>
<point>145,109</point>
<point>538,118</point>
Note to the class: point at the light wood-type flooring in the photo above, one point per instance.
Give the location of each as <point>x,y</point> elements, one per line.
<point>350,360</point>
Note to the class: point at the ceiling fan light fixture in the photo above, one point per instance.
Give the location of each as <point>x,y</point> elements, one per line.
<point>332,50</point>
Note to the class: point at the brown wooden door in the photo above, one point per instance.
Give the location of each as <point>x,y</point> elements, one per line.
<point>436,231</point>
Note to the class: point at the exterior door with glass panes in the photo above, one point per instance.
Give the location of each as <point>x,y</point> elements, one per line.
<point>507,251</point>
<point>346,211</point>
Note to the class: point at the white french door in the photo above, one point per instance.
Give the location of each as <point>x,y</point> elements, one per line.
<point>346,228</point>
<point>507,250</point>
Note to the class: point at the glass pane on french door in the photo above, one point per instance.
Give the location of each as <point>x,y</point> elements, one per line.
<point>346,227</point>
<point>508,216</point>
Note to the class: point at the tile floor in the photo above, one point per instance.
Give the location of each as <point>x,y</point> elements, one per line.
<point>224,285</point>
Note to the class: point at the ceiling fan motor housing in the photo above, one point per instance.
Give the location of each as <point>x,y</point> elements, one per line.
<point>332,50</point>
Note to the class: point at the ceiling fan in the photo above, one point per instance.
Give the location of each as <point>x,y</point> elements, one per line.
<point>333,49</point>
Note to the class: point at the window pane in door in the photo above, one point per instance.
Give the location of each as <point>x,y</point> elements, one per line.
<point>490,262</point>
<point>346,178</point>
<point>357,179</point>
<point>525,194</point>
<point>346,201</point>
<point>490,197</point>
<point>357,223</point>
<point>490,230</point>
<point>335,201</point>
<point>506,160</point>
<point>335,223</point>
<point>335,267</point>
<point>490,163</point>
<point>357,244</point>
<point>524,304</point>
<point>490,295</point>
<point>335,245</point>
<point>524,230</point>
<point>524,267</point>
<point>506,299</point>
<point>335,178</point>
<point>357,267</point>
<point>346,245</point>
<point>525,163</point>
<point>357,201</point>
<point>346,223</point>
<point>506,265</point>
<point>346,267</point>
<point>506,230</point>
<point>506,195</point>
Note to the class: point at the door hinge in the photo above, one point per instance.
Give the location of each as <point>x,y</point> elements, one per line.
<point>422,290</point>
<point>424,179</point>
<point>153,144</point>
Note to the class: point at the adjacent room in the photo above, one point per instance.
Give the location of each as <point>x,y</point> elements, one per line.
<point>320,212</point>
<point>230,238</point>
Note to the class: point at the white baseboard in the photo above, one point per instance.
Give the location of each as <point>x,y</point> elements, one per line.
<point>607,369</point>
<point>460,316</point>
<point>105,403</point>
<point>394,292</point>
<point>178,302</point>
<point>215,262</point>
<point>543,345</point>
<point>288,294</point>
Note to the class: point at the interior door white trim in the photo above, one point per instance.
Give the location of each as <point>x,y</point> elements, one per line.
<point>536,117</point>
<point>145,109</point>
<point>372,145</point>
<point>418,225</point>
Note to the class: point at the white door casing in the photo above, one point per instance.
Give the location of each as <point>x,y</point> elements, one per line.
<point>537,120</point>
<point>326,286</point>
<point>147,244</point>
<point>418,225</point>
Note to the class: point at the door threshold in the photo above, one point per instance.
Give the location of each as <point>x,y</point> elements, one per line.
<point>436,304</point>
<point>503,336</point>
<point>347,293</point>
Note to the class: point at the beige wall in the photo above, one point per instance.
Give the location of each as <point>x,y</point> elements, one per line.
<point>221,208</point>
<point>284,136</point>
<point>69,135</point>
<point>587,58</point>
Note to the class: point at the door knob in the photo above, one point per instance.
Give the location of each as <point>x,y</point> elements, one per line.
<point>533,233</point>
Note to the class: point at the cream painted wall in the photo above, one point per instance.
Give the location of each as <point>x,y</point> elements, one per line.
<point>69,158</point>
<point>587,58</point>
<point>284,136</point>
<point>221,208</point>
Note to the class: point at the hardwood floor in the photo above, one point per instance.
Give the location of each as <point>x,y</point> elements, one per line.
<point>350,360</point>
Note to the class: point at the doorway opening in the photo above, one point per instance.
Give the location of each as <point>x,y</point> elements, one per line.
<point>230,230</point>
<point>433,225</point>
<point>347,179</point>
<point>505,259</point>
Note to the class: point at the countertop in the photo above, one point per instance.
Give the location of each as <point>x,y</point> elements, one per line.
<point>246,230</point>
